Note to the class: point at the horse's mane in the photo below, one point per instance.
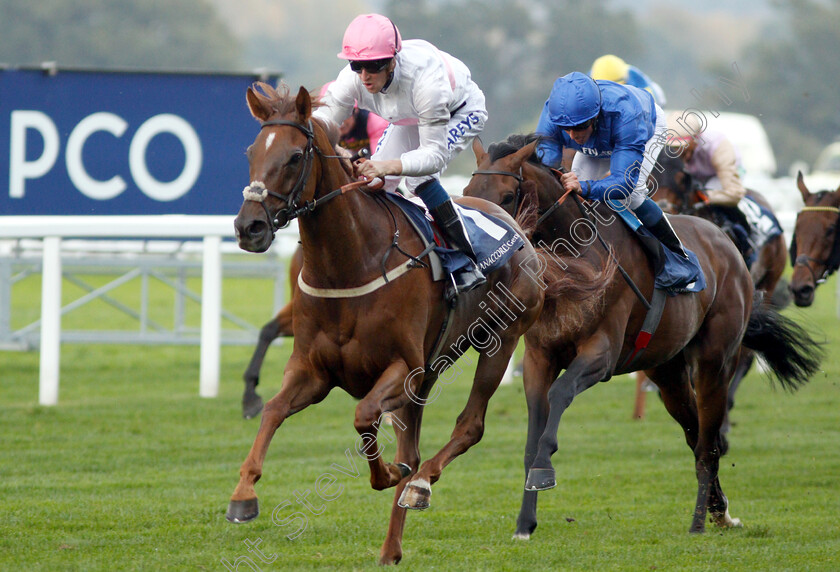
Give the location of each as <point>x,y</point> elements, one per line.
<point>575,294</point>
<point>513,144</point>
<point>279,99</point>
<point>281,102</point>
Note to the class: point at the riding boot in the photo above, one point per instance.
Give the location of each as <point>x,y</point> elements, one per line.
<point>663,230</point>
<point>453,231</point>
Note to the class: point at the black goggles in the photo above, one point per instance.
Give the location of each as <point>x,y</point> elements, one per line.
<point>578,127</point>
<point>371,66</point>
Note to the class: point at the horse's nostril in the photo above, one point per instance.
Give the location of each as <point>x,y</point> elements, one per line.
<point>256,229</point>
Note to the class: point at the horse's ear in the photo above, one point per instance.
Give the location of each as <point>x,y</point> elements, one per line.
<point>800,184</point>
<point>478,150</point>
<point>258,105</point>
<point>522,155</point>
<point>303,104</point>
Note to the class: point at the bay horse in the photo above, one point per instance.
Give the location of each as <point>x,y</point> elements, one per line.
<point>675,190</point>
<point>815,246</point>
<point>692,354</point>
<point>359,323</point>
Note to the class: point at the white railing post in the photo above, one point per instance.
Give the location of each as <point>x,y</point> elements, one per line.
<point>50,321</point>
<point>211,316</point>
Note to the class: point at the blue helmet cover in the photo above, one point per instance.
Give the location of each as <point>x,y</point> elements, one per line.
<point>574,98</point>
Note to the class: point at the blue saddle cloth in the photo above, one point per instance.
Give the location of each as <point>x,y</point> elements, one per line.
<point>678,275</point>
<point>493,240</point>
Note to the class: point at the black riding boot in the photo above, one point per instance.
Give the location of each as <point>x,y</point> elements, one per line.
<point>666,235</point>
<point>453,230</point>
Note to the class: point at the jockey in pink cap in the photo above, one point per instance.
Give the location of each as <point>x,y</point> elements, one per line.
<point>433,107</point>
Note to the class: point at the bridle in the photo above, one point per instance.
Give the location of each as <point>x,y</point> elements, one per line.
<point>517,194</point>
<point>829,264</point>
<point>257,190</point>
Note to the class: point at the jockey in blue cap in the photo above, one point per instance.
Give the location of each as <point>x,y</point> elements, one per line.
<point>618,132</point>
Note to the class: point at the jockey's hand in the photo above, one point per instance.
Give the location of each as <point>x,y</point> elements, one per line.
<point>570,182</point>
<point>373,169</point>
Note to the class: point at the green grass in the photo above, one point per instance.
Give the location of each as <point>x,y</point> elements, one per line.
<point>133,471</point>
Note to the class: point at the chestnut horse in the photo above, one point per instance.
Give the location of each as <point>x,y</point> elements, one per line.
<point>674,189</point>
<point>692,354</point>
<point>360,324</point>
<point>815,246</point>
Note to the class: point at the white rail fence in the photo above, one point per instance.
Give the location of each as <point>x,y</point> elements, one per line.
<point>53,230</point>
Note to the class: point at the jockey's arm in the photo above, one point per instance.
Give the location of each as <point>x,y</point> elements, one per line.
<point>731,189</point>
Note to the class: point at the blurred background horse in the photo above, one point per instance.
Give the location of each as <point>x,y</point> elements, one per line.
<point>815,246</point>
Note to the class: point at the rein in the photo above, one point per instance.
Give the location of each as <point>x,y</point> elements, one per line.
<point>257,191</point>
<point>831,263</point>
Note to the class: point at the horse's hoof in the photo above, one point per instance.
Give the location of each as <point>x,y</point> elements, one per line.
<point>252,406</point>
<point>521,536</point>
<point>240,511</point>
<point>540,479</point>
<point>389,559</point>
<point>416,495</point>
<point>723,520</point>
<point>405,470</point>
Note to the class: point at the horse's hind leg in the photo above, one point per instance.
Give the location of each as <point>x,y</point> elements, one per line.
<point>280,325</point>
<point>745,361</point>
<point>711,389</point>
<point>252,403</point>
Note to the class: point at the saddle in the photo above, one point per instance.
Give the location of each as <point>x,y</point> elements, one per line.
<point>734,223</point>
<point>492,239</point>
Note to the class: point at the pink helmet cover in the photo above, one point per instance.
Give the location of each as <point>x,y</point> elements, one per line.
<point>370,37</point>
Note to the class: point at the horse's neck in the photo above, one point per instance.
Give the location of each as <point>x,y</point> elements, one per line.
<point>344,239</point>
<point>573,221</point>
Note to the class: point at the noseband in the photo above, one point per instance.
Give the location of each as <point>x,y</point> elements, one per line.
<point>830,264</point>
<point>257,190</point>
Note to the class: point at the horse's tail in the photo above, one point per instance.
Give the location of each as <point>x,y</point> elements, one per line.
<point>791,353</point>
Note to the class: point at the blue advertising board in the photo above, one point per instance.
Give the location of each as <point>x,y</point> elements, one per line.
<point>79,142</point>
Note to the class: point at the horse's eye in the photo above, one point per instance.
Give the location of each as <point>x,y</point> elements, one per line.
<point>829,232</point>
<point>295,158</point>
<point>507,199</point>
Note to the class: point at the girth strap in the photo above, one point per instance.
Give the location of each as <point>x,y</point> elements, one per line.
<point>654,314</point>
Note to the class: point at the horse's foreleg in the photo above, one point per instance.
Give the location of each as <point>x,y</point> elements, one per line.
<point>300,389</point>
<point>469,426</point>
<point>537,376</point>
<point>387,394</point>
<point>407,425</point>
<point>587,369</point>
